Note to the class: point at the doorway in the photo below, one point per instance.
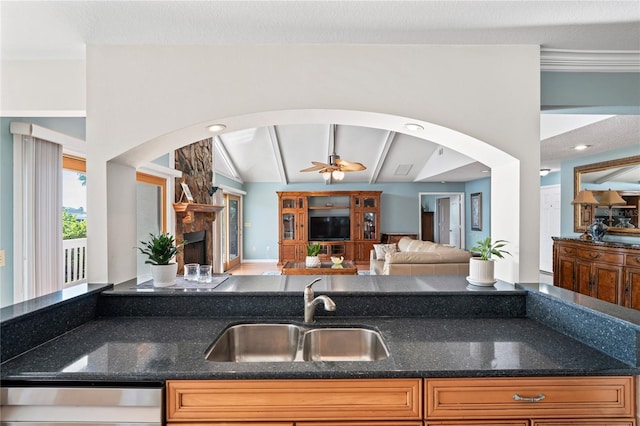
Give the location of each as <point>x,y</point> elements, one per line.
<point>232,231</point>
<point>448,220</point>
<point>549,224</point>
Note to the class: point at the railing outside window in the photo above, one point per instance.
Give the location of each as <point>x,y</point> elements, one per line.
<point>75,264</point>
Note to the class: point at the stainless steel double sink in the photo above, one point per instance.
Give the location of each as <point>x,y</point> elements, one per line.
<point>264,342</point>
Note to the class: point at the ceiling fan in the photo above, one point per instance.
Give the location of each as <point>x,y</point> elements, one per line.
<point>336,167</point>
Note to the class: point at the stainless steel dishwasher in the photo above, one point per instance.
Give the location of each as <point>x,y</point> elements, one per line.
<point>82,406</point>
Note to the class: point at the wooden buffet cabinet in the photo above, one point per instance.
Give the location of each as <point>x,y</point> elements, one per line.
<point>606,271</point>
<point>523,401</point>
<point>295,208</point>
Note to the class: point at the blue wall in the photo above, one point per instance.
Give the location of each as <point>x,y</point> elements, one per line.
<point>399,210</point>
<point>482,186</point>
<point>590,93</point>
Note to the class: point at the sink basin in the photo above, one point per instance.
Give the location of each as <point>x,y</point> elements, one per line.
<point>256,343</point>
<point>291,342</point>
<point>343,344</point>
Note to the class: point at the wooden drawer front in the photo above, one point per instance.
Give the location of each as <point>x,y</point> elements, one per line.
<point>633,259</point>
<point>231,424</point>
<point>378,423</point>
<point>578,397</point>
<point>226,400</point>
<point>477,423</point>
<point>569,250</point>
<point>601,256</point>
<point>594,422</point>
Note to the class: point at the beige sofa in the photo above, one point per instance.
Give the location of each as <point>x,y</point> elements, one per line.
<point>415,257</point>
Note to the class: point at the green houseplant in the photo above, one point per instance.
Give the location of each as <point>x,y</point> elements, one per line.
<point>481,269</point>
<point>160,250</point>
<point>312,260</point>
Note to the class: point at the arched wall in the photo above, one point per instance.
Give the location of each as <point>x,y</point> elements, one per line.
<point>138,96</point>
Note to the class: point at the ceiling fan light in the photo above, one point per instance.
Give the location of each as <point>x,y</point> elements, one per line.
<point>326,175</point>
<point>338,175</point>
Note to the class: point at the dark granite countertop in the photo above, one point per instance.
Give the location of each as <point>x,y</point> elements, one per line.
<point>433,327</point>
<point>132,349</point>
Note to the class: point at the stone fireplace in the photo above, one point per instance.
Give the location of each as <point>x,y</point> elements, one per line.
<point>196,221</point>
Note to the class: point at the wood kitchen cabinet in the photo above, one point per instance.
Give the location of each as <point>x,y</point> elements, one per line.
<point>306,400</point>
<point>606,272</point>
<point>543,401</point>
<point>504,401</point>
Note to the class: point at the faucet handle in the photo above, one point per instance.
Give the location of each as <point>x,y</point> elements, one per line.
<point>308,286</point>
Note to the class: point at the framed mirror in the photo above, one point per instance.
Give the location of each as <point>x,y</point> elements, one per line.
<point>621,176</point>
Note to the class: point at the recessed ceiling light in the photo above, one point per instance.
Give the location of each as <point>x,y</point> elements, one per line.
<point>581,147</point>
<point>413,127</point>
<point>485,171</point>
<point>216,128</point>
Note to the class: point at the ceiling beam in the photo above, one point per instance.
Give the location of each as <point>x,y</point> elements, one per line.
<point>391,136</point>
<point>227,159</point>
<point>277,153</point>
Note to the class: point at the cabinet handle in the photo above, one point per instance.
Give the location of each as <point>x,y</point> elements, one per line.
<point>538,398</point>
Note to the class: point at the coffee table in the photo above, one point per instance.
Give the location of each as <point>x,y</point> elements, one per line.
<point>325,268</point>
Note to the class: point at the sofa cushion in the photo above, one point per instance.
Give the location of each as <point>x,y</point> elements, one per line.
<point>382,249</point>
<point>448,256</point>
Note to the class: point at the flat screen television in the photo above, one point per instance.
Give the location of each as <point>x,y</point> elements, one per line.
<point>329,228</point>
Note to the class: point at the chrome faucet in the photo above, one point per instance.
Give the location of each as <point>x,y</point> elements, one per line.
<point>310,303</point>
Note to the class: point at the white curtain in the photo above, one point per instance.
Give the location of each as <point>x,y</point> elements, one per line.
<point>38,217</point>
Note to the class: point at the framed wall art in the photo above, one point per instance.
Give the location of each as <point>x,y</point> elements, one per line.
<point>476,211</point>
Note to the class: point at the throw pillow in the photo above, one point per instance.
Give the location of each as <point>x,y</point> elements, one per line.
<point>382,249</point>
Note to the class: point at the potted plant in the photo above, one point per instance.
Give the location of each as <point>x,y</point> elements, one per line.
<point>481,268</point>
<point>160,250</point>
<point>312,260</point>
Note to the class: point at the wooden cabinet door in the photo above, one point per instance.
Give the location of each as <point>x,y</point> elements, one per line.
<point>565,272</point>
<point>632,288</point>
<point>607,282</point>
<point>583,281</point>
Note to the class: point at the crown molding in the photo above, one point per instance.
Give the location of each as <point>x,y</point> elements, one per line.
<point>590,60</point>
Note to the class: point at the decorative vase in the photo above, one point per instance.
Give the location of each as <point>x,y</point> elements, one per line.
<point>164,275</point>
<point>597,229</point>
<point>312,262</point>
<point>481,272</point>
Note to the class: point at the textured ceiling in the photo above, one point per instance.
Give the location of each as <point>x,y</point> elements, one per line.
<point>63,28</point>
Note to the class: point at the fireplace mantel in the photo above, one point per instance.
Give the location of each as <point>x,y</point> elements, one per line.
<point>197,208</point>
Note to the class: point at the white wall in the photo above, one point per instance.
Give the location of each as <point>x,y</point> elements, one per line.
<point>54,88</point>
<point>144,101</point>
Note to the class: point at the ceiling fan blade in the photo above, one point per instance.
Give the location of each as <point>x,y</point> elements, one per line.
<point>349,166</point>
<point>316,166</point>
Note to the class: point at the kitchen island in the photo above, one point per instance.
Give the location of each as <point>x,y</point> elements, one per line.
<point>434,327</point>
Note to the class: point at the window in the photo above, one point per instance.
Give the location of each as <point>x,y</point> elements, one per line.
<point>74,224</point>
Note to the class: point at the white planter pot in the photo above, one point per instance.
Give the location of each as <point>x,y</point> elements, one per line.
<point>164,275</point>
<point>312,262</point>
<point>481,272</point>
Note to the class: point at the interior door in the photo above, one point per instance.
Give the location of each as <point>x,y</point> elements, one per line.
<point>549,224</point>
<point>232,231</point>
<point>443,220</point>
<point>454,221</point>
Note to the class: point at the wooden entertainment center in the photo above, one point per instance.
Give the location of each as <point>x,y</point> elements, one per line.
<point>345,223</point>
